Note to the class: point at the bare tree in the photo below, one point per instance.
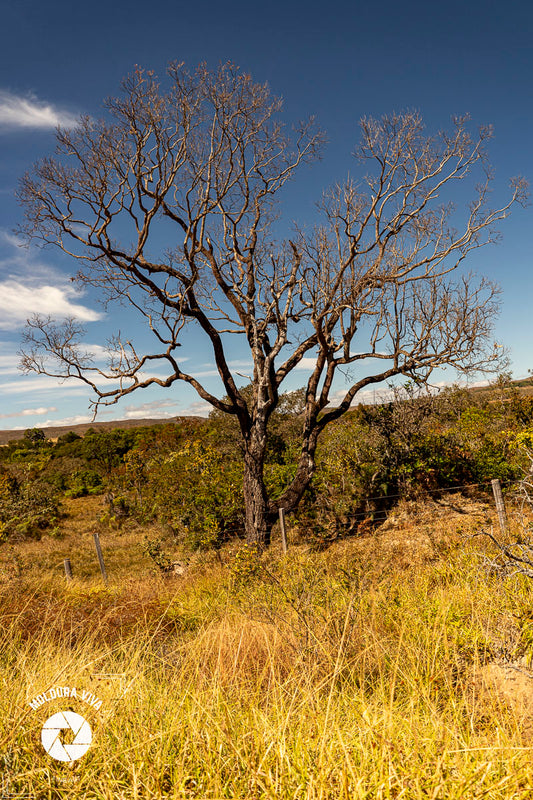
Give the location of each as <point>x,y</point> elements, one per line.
<point>198,169</point>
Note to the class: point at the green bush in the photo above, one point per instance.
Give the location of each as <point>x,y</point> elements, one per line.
<point>194,489</point>
<point>27,508</point>
<point>85,481</point>
<point>199,493</point>
<point>104,450</point>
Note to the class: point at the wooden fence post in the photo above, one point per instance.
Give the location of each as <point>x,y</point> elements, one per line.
<point>100,557</point>
<point>68,569</point>
<point>500,505</point>
<point>283,530</point>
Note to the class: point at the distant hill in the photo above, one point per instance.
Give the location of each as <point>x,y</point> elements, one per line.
<point>55,432</point>
<point>524,387</point>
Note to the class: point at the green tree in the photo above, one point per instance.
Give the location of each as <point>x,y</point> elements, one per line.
<point>34,437</point>
<point>106,449</point>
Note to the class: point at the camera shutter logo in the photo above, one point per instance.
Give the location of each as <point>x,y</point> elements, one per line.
<point>66,721</point>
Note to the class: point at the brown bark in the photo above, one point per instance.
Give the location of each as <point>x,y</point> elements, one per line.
<point>258,519</point>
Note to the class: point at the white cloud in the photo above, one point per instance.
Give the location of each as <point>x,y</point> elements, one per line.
<point>80,419</point>
<point>198,409</point>
<point>42,383</point>
<point>9,364</point>
<point>28,286</point>
<point>17,258</point>
<point>30,112</point>
<point>98,352</point>
<point>384,394</point>
<point>29,412</point>
<point>151,415</point>
<point>307,362</point>
<point>19,301</point>
<point>151,410</point>
<point>365,396</point>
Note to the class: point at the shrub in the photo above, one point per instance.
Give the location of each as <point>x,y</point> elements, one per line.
<point>27,508</point>
<point>194,489</point>
<point>153,548</point>
<point>84,482</point>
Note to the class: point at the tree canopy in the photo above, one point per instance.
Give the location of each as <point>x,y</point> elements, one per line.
<point>169,205</point>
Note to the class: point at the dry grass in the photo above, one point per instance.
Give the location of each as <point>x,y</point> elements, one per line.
<point>354,673</point>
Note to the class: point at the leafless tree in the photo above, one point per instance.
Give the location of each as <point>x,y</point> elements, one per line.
<point>198,169</point>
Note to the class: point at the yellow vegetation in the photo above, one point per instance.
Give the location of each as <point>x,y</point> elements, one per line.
<point>356,673</point>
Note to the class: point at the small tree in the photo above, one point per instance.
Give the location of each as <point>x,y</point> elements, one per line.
<point>197,169</point>
<point>34,437</point>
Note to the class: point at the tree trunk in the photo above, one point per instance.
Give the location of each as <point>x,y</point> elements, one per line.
<point>260,513</point>
<point>291,497</point>
<point>258,520</point>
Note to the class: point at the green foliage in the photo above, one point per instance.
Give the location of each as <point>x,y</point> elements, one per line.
<point>34,437</point>
<point>191,479</point>
<point>487,444</point>
<point>189,475</point>
<point>176,475</point>
<point>246,564</point>
<point>70,445</point>
<point>199,493</point>
<point>523,440</point>
<point>105,449</point>
<point>410,446</point>
<point>153,548</point>
<point>27,507</point>
<point>84,482</point>
<point>68,438</point>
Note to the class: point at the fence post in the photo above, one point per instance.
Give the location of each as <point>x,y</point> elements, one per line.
<point>500,505</point>
<point>283,530</point>
<point>68,569</point>
<point>100,557</point>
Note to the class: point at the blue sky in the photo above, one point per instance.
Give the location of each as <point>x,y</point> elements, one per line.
<point>337,60</point>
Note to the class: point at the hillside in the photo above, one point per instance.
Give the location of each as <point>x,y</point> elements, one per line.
<point>524,388</point>
<point>54,433</point>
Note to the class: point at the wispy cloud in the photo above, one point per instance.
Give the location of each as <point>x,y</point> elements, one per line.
<point>153,409</point>
<point>28,286</point>
<point>9,364</point>
<point>384,394</point>
<point>197,409</point>
<point>29,112</point>
<point>29,412</point>
<point>18,302</point>
<point>41,383</point>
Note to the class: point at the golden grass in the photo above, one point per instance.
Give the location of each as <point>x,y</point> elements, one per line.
<point>353,673</point>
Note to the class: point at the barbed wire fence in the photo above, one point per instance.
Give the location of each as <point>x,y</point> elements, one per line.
<point>520,558</point>
<point>514,549</point>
